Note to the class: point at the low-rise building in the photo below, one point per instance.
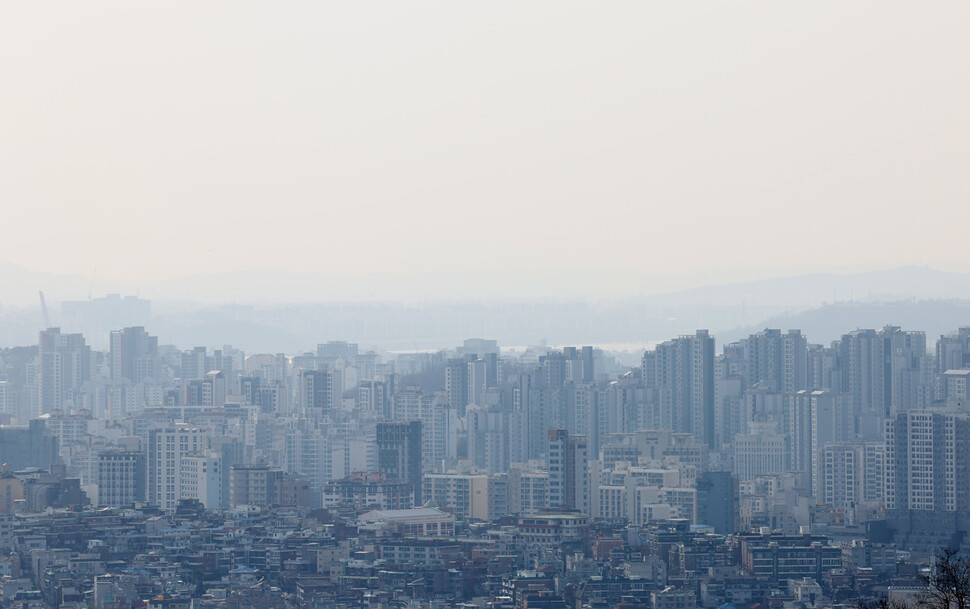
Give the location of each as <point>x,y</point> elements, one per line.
<point>374,491</point>
<point>415,522</point>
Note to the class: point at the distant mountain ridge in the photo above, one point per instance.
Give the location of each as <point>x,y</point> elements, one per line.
<point>827,323</point>
<point>19,286</point>
<point>895,284</point>
<point>251,311</point>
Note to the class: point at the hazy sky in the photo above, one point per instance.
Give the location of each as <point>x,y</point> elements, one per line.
<point>167,139</point>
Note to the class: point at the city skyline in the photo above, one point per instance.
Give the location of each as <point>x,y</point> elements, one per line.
<point>425,304</point>
<point>831,471</point>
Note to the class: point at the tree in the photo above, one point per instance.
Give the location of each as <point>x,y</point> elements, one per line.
<point>948,583</point>
<point>883,602</point>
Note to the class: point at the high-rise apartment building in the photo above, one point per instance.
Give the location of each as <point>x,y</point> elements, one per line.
<point>122,478</point>
<point>253,485</point>
<point>193,363</point>
<point>439,423</point>
<point>852,476</point>
<point>214,388</point>
<point>874,491</point>
<point>568,463</point>
<point>487,433</point>
<point>200,477</point>
<point>779,361</point>
<point>815,418</point>
<point>465,494</point>
<point>881,371</point>
<point>65,365</point>
<point>31,446</point>
<point>729,418</point>
<point>528,490</point>
<point>928,461</point>
<point>320,391</point>
<point>166,447</point>
<point>763,451</point>
<point>373,398</point>
<point>456,384</point>
<point>953,385</point>
<point>842,481</point>
<point>133,354</point>
<point>953,351</point>
<point>823,367</point>
<point>718,501</point>
<point>477,347</point>
<point>570,364</point>
<point>399,453</point>
<point>682,373</point>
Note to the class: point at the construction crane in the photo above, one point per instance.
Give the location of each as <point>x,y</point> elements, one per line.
<point>43,308</point>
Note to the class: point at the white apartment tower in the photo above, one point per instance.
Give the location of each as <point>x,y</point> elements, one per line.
<point>166,447</point>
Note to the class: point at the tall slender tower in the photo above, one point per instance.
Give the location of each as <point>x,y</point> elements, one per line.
<point>568,471</point>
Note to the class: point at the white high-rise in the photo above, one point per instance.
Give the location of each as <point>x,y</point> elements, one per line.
<point>166,447</point>
<point>200,477</point>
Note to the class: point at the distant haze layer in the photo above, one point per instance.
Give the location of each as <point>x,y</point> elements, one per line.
<point>149,142</point>
<point>219,312</point>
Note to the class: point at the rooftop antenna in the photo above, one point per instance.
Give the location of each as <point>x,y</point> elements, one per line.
<point>43,308</point>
